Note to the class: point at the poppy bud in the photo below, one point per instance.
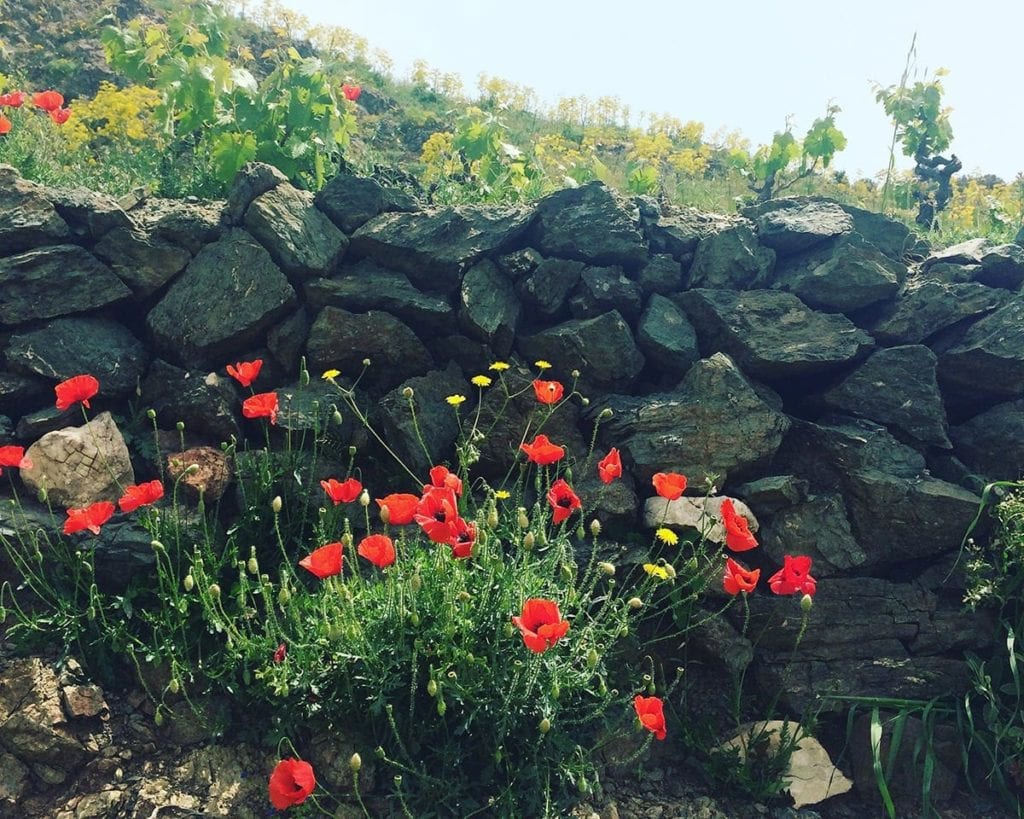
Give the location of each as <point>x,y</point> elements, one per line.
<point>352,451</point>
<point>595,527</point>
<point>509,629</point>
<point>385,515</point>
<point>432,688</point>
<point>156,545</point>
<point>566,572</point>
<point>283,596</point>
<point>582,784</point>
<point>252,565</point>
<point>585,401</point>
<point>492,517</point>
<point>158,718</point>
<point>606,567</point>
<point>528,541</point>
<point>336,418</point>
<point>90,613</point>
<point>42,494</point>
<point>806,602</point>
<point>366,362</point>
<point>214,591</point>
<point>364,499</point>
<point>605,413</point>
<point>414,618</point>
<point>524,521</point>
<point>464,596</point>
<point>355,762</point>
<point>189,582</point>
<point>624,631</point>
<point>544,726</point>
<point>575,373</point>
<point>556,691</point>
<point>276,504</point>
<point>416,582</point>
<point>304,377</point>
<point>408,392</point>
<point>441,708</point>
<point>635,603</point>
<point>174,686</point>
<point>670,570</point>
<point>592,658</point>
<point>151,414</point>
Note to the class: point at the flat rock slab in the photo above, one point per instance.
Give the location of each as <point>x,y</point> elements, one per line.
<point>992,442</point>
<point>144,261</point>
<point>926,307</point>
<point>732,259</point>
<point>241,292</point>
<point>772,335</point>
<point>989,360</point>
<point>793,225</point>
<point>27,217</point>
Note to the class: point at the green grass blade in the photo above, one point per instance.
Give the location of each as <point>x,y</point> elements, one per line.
<point>876,762</point>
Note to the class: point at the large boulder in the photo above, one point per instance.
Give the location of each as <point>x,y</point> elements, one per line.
<point>77,466</point>
<point>489,308</point>
<point>302,241</point>
<point>605,288</point>
<point>435,248</point>
<point>242,294</point>
<point>591,224</point>
<point>55,281</point>
<point>793,225</point>
<point>713,423</point>
<point>89,214</point>
<point>189,223</point>
<point>989,359</point>
<point>925,307</point>
<point>771,335</point>
<point>817,527</point>
<point>544,289</point>
<point>144,262</point>
<point>601,348</point>
<point>666,338</point>
<point>206,403</point>
<point>351,201</point>
<point>66,347</point>
<point>342,340</point>
<point>27,217</point>
<point>1003,266</point>
<point>896,387</point>
<point>992,442</point>
<point>677,232</point>
<point>732,259</point>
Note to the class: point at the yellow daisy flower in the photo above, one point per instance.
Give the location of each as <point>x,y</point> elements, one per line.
<point>654,570</point>
<point>330,375</point>
<point>455,400</point>
<point>543,365</point>
<point>502,494</point>
<point>498,366</point>
<point>480,381</point>
<point>667,536</point>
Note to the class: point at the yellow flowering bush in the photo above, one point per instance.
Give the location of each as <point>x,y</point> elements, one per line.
<point>122,116</point>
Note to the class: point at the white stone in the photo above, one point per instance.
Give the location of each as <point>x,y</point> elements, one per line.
<point>703,514</point>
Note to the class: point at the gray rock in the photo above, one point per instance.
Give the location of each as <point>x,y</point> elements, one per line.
<point>666,338</point>
<point>767,496</point>
<point>970,252</point>
<point>252,180</point>
<point>341,340</point>
<point>80,465</point>
<point>591,224</point>
<point>950,273</point>
<point>790,226</point>
<point>845,276</point>
<point>489,309</point>
<point>773,335</point>
<point>367,286</point>
<point>286,340</point>
<point>30,427</point>
<point>143,261</point>
<point>520,263</point>
<point>992,442</point>
<point>989,360</point>
<point>351,201</point>
<point>434,248</point>
<point>662,274</point>
<point>206,403</point>
<point>677,232</point>
<point>435,422</point>
<point>713,423</point>
<point>189,223</point>
<point>896,387</point>
<point>601,348</point>
<point>242,293</point>
<point>20,394</point>
<point>27,217</point>
<point>303,241</point>
<point>545,289</point>
<point>89,214</point>
<point>68,346</point>
<point>924,307</point>
<point>889,235</point>
<point>55,281</point>
<point>1003,266</point>
<point>701,514</point>
<point>605,288</point>
<point>817,527</point>
<point>732,259</point>
<point>1019,238</point>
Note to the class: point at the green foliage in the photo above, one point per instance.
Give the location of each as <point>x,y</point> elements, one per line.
<point>921,122</point>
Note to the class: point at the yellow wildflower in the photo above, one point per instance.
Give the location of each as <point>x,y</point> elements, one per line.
<point>330,375</point>
<point>502,494</point>
<point>498,366</point>
<point>654,570</point>
<point>455,400</point>
<point>480,381</point>
<point>542,364</point>
<point>667,536</point>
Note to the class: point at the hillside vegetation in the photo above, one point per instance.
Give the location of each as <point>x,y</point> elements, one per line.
<point>173,97</point>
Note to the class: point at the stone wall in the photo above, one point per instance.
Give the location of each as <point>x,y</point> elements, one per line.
<point>854,390</point>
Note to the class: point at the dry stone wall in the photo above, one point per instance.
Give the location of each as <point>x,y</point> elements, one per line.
<point>854,389</point>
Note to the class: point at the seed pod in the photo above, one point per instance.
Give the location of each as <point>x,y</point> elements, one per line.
<point>529,540</point>
<point>189,582</point>
<point>524,521</point>
<point>544,726</point>
<point>253,565</point>
<point>214,591</point>
<point>151,414</point>
<point>355,762</point>
<point>180,426</point>
<point>432,687</point>
<point>276,504</point>
<point>174,686</point>
<point>806,602</point>
<point>283,596</point>
<point>595,527</point>
<point>492,518</point>
<point>408,392</point>
<point>635,603</point>
<point>592,658</point>
<point>606,567</point>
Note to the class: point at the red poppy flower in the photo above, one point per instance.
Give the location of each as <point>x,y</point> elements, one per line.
<point>14,456</point>
<point>542,452</point>
<point>651,711</point>
<point>737,579</point>
<point>441,477</point>
<point>291,783</point>
<point>245,372</point>
<point>323,562</point>
<point>378,549</point>
<point>401,508</point>
<point>48,100</point>
<point>563,500</point>
<point>541,624</point>
<point>280,653</point>
<point>12,99</point>
<point>670,485</point>
<point>351,92</point>
<point>548,392</point>
<point>79,388</point>
<point>5,125</point>
<point>261,405</point>
<point>463,539</point>
<point>60,115</point>
<point>92,517</point>
<point>141,494</point>
<point>738,536</point>
<point>437,513</point>
<point>342,491</point>
<point>610,466</point>
<point>794,577</point>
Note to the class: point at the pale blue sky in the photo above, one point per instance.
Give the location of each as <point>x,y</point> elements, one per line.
<point>743,65</point>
